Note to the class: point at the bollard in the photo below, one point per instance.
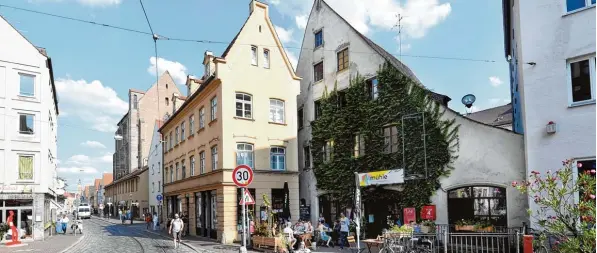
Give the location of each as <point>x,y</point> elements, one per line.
<point>527,243</point>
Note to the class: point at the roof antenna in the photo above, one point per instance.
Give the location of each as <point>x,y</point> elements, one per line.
<point>399,25</point>
<point>468,101</point>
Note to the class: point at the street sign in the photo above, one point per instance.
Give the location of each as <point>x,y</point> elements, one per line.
<point>159,197</point>
<point>247,198</point>
<point>242,175</point>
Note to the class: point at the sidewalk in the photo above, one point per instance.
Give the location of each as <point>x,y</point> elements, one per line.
<point>54,244</point>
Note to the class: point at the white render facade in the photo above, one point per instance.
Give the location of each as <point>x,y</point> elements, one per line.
<point>555,42</point>
<point>490,158</point>
<point>155,170</point>
<point>28,133</point>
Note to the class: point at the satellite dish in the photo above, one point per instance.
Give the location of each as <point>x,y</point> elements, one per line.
<point>468,100</point>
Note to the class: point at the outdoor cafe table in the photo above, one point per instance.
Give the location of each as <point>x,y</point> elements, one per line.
<point>372,242</point>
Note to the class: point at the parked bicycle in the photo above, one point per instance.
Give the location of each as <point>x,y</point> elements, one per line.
<point>542,242</point>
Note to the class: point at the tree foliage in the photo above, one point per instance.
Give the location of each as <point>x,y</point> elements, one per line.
<point>570,222</point>
<point>341,121</point>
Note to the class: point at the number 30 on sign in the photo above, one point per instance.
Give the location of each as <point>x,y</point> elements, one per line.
<point>242,176</point>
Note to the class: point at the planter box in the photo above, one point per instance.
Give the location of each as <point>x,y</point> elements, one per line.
<point>486,229</point>
<point>465,228</point>
<point>261,241</point>
<point>427,229</point>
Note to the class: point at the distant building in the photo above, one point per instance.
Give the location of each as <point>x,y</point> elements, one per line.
<point>136,126</point>
<point>129,193</point>
<point>500,116</point>
<point>551,45</point>
<point>101,198</point>
<point>155,170</point>
<point>242,112</point>
<point>28,133</point>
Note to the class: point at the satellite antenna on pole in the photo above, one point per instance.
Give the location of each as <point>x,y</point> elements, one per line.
<point>468,101</point>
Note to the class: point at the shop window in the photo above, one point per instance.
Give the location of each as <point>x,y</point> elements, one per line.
<point>277,200</point>
<point>478,203</point>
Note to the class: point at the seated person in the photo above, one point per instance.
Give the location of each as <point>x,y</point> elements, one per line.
<point>289,235</point>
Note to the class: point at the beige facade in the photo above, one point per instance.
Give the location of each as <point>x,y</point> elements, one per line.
<point>129,192</point>
<point>262,133</point>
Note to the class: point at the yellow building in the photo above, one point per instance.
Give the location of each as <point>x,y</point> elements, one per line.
<point>129,193</point>
<point>242,111</point>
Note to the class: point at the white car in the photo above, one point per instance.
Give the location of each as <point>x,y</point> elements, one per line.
<point>84,212</point>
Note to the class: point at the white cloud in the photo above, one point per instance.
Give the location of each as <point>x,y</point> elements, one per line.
<point>78,159</point>
<point>58,161</point>
<point>176,69</point>
<point>77,170</point>
<point>292,58</point>
<point>95,104</point>
<point>93,144</point>
<point>494,101</point>
<point>106,158</point>
<point>301,21</point>
<point>418,15</point>
<point>99,3</point>
<point>284,35</point>
<point>495,81</point>
<point>274,2</point>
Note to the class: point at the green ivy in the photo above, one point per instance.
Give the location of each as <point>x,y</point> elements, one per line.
<point>398,96</point>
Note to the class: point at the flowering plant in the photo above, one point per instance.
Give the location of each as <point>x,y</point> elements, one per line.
<point>559,213</point>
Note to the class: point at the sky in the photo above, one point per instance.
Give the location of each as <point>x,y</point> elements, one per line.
<point>95,66</point>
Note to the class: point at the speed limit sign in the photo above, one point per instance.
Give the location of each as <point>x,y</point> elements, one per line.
<point>242,175</point>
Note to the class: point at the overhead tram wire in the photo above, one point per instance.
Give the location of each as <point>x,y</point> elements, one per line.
<point>155,38</point>
<point>160,37</point>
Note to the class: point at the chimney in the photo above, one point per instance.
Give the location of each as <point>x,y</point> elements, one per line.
<point>256,4</point>
<point>208,62</point>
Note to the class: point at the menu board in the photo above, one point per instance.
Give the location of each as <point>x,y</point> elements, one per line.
<point>305,212</point>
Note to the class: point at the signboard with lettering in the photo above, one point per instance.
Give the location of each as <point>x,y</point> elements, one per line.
<point>410,214</point>
<point>16,188</point>
<point>428,213</point>
<point>305,212</point>
<point>381,177</point>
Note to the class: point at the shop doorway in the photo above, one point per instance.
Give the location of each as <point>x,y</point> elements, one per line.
<point>478,203</point>
<point>23,215</point>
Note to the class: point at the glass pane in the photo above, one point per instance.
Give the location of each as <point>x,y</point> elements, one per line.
<point>498,206</point>
<point>239,96</point>
<point>575,4</point>
<point>481,207</point>
<point>27,85</point>
<point>580,74</point>
<point>460,193</point>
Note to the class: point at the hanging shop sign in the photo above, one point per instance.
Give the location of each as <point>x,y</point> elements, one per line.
<point>381,177</point>
<point>410,214</point>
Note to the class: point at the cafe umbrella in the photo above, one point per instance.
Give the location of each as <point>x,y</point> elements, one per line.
<point>286,206</point>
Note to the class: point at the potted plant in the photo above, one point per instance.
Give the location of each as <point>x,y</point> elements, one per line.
<point>3,229</point>
<point>465,225</point>
<point>428,226</point>
<point>483,226</point>
<point>263,234</point>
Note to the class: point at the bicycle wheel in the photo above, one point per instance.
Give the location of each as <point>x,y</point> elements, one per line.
<point>541,249</point>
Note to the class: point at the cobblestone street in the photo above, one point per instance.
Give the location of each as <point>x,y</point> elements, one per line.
<point>102,237</point>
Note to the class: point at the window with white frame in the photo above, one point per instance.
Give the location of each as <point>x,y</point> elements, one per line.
<point>254,55</point>
<point>276,111</point>
<point>192,165</point>
<point>572,5</point>
<point>390,134</point>
<point>171,174</point>
<point>373,88</point>
<point>214,108</point>
<point>26,124</point>
<point>244,105</point>
<point>192,124</point>
<point>277,158</point>
<point>25,167</point>
<point>182,131</point>
<point>202,118</point>
<point>214,158</point>
<point>202,162</point>
<point>176,135</point>
<point>183,169</point>
<point>328,151</point>
<point>26,85</point>
<point>152,187</point>
<point>159,186</point>
<point>266,58</point>
<point>245,155</point>
<point>359,145</point>
<point>177,171</point>
<point>582,79</point>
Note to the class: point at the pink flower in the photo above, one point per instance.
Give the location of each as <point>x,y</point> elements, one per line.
<point>549,172</point>
<point>514,184</point>
<point>579,165</point>
<point>534,172</point>
<point>592,196</point>
<point>592,171</point>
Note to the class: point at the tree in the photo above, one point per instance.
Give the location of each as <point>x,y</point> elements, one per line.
<point>351,115</point>
<point>569,221</point>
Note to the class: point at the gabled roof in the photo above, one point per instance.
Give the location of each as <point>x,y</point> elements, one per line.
<point>496,116</point>
<point>442,99</point>
<point>129,176</point>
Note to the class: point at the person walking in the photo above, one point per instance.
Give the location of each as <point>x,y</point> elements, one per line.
<point>155,221</point>
<point>176,227</point>
<point>121,215</point>
<point>65,221</point>
<point>344,222</point>
<point>147,220</point>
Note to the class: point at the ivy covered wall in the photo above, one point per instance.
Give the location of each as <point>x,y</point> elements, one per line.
<point>357,133</point>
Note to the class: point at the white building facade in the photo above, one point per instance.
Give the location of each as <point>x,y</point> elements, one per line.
<point>489,157</point>
<point>28,133</point>
<point>155,170</point>
<point>553,42</point>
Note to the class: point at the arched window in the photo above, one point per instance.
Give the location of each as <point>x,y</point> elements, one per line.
<point>478,203</point>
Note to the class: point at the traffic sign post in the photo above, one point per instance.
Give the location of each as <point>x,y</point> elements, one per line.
<point>242,176</point>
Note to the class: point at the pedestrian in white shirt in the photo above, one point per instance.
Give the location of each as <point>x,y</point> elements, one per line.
<point>176,226</point>
<point>155,221</point>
